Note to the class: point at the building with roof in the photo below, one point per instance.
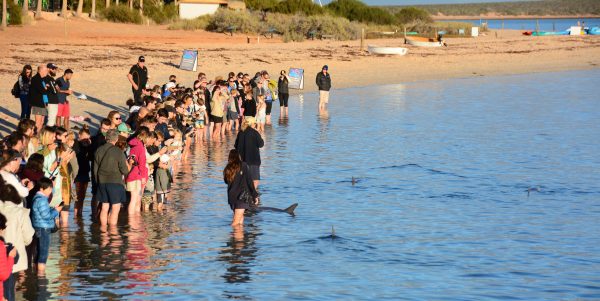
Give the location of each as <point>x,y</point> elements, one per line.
<point>191,9</point>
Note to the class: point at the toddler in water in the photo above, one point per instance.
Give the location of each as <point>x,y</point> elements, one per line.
<point>201,116</point>
<point>176,145</point>
<point>162,181</point>
<point>261,113</point>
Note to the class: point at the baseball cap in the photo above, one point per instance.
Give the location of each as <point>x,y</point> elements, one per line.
<point>51,66</point>
<point>141,58</point>
<point>170,85</point>
<point>165,158</point>
<point>325,67</point>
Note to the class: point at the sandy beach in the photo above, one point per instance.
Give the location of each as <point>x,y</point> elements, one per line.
<point>101,54</point>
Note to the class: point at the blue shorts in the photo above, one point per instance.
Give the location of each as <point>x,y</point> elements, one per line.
<point>112,193</point>
<point>43,236</point>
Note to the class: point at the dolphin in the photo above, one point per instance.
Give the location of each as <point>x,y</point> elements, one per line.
<point>531,189</point>
<point>289,210</point>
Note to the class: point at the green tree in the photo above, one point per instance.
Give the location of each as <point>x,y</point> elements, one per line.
<point>307,7</point>
<point>262,5</point>
<point>411,15</point>
<point>355,10</point>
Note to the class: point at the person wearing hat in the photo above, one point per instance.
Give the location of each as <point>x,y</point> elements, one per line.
<point>248,144</point>
<point>124,130</point>
<point>162,181</point>
<point>324,84</point>
<point>52,94</point>
<point>138,77</point>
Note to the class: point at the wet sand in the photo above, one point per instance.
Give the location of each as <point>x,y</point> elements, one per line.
<point>101,54</point>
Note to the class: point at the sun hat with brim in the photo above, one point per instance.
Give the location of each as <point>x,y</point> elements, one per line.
<point>123,128</point>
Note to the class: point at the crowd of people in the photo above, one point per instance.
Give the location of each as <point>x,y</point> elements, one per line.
<point>46,166</point>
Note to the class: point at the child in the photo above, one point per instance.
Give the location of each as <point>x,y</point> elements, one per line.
<point>201,117</point>
<point>177,144</point>
<point>7,257</point>
<point>233,111</point>
<point>261,113</point>
<point>43,221</point>
<point>162,181</point>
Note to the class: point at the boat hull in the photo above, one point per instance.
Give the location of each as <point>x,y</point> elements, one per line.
<point>387,50</point>
<point>423,42</point>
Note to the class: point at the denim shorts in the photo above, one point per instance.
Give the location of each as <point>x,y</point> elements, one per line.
<point>43,236</point>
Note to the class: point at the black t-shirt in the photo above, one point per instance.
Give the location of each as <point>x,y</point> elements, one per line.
<point>140,76</point>
<point>64,85</point>
<point>249,107</point>
<point>52,95</point>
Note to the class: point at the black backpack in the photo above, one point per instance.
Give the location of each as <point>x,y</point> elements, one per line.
<point>16,90</point>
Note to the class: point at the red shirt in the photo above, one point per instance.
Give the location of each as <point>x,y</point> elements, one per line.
<point>6,265</point>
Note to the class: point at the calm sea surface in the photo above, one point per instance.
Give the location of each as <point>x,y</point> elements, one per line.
<point>440,211</point>
<point>530,24</point>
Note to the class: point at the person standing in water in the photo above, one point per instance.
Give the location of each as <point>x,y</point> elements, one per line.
<point>248,144</point>
<point>236,176</point>
<point>284,93</point>
<point>324,84</point>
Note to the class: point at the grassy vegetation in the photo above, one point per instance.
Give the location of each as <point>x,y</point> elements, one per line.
<point>161,14</point>
<point>292,27</point>
<point>545,7</point>
<point>121,14</point>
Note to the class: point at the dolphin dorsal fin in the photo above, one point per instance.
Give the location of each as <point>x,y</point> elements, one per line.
<point>291,209</point>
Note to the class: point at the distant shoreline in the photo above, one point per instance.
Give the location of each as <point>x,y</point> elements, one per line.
<point>520,17</point>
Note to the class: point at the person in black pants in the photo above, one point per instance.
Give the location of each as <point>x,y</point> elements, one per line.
<point>237,177</point>
<point>284,93</point>
<point>138,77</point>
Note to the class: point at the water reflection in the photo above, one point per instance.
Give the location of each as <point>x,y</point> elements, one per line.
<point>240,253</point>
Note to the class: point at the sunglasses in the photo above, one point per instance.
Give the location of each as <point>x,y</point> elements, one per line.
<point>118,118</point>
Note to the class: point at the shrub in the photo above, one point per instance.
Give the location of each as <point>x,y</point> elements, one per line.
<point>194,24</point>
<point>122,14</point>
<point>306,7</point>
<point>243,21</point>
<point>161,14</point>
<point>355,10</point>
<point>262,5</point>
<point>297,27</point>
<point>14,13</point>
<point>412,15</point>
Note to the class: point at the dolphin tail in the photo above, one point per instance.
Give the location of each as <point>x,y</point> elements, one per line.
<point>290,209</point>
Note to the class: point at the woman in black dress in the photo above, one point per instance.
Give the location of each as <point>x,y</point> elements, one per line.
<point>237,178</point>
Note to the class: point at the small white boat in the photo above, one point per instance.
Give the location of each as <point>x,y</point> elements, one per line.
<point>423,42</point>
<point>387,50</point>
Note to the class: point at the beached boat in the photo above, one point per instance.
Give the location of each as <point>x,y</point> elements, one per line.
<point>387,50</point>
<point>547,33</point>
<point>423,42</point>
<point>593,31</point>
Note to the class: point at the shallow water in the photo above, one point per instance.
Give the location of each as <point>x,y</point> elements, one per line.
<point>531,24</point>
<point>466,189</point>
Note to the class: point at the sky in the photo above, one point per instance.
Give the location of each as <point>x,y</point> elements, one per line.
<point>413,2</point>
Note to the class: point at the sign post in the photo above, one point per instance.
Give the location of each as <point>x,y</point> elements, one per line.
<point>189,60</point>
<point>296,76</point>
